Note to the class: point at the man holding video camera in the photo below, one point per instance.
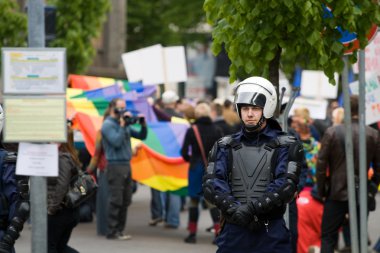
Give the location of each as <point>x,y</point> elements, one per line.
<point>117,133</point>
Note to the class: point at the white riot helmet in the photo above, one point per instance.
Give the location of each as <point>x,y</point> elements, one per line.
<point>256,91</point>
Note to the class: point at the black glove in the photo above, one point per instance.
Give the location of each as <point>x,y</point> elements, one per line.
<point>372,188</point>
<point>241,215</point>
<point>296,152</point>
<point>142,120</point>
<point>5,247</point>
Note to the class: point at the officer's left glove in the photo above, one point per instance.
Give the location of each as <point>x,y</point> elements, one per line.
<point>241,215</point>
<point>5,247</point>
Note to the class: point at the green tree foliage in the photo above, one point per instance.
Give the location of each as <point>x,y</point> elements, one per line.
<point>167,22</point>
<point>78,23</point>
<point>13,25</point>
<point>257,33</point>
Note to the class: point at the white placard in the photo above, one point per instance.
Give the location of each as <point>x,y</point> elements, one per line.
<point>372,56</point>
<point>133,65</point>
<point>37,160</point>
<point>146,65</point>
<point>175,64</point>
<point>156,65</point>
<point>34,70</point>
<point>152,59</point>
<point>315,84</point>
<point>317,108</point>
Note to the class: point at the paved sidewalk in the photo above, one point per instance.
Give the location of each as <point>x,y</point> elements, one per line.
<point>145,239</point>
<point>158,239</point>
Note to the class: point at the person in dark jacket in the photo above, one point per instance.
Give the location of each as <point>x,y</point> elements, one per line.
<point>333,188</point>
<point>116,141</point>
<point>61,219</point>
<point>208,134</point>
<point>253,174</point>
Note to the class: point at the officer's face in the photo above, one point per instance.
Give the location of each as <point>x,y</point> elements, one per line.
<point>251,114</point>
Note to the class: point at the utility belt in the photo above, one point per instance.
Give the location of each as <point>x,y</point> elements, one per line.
<point>258,222</point>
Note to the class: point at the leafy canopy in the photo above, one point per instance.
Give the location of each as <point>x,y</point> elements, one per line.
<point>167,22</point>
<point>78,23</point>
<point>253,31</point>
<point>13,25</point>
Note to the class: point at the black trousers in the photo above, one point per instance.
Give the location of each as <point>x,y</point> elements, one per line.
<point>293,222</point>
<point>119,179</point>
<point>60,226</point>
<point>334,213</point>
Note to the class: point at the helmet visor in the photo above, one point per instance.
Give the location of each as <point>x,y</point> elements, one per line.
<point>251,98</point>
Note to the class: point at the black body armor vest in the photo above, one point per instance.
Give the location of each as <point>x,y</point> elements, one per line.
<point>251,171</point>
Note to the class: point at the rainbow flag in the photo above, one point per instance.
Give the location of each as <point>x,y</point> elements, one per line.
<point>94,82</point>
<point>97,107</point>
<point>158,162</point>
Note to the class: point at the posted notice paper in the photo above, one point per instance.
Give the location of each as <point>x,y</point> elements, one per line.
<point>37,159</point>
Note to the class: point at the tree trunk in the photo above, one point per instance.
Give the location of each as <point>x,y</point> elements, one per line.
<point>274,75</point>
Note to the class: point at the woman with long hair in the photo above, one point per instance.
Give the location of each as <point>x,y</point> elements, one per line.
<point>62,219</point>
<point>192,152</point>
<point>97,166</point>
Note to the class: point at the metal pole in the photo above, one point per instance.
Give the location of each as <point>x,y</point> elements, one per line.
<point>362,156</point>
<point>38,191</point>
<point>350,160</point>
<point>285,116</point>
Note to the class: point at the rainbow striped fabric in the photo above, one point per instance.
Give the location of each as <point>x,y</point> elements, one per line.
<point>158,162</point>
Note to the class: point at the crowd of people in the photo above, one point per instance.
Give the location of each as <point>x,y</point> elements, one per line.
<point>242,167</point>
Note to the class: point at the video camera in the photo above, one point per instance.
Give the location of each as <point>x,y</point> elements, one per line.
<point>129,120</point>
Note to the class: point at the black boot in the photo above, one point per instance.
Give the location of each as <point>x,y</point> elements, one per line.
<point>191,238</point>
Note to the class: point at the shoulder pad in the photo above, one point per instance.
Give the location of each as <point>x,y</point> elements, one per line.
<point>282,140</point>
<point>10,157</point>
<point>225,141</point>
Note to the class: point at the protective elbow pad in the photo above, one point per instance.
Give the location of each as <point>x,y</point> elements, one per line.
<point>208,191</point>
<point>296,153</point>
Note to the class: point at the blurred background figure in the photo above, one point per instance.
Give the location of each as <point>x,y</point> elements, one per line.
<point>302,115</point>
<point>172,203</point>
<point>195,150</point>
<point>230,115</point>
<point>61,219</point>
<point>309,205</point>
<point>337,116</point>
<point>218,117</point>
<point>97,166</point>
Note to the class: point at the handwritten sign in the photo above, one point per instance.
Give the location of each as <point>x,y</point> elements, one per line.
<point>372,98</point>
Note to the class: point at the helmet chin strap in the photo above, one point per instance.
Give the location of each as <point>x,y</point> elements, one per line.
<point>256,127</point>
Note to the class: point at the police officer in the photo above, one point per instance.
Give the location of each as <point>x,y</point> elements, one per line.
<point>253,174</point>
<point>14,198</point>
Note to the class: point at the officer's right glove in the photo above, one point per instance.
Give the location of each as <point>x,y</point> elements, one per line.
<point>241,215</point>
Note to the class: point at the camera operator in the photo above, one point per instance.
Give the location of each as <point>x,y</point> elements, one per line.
<point>117,147</point>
